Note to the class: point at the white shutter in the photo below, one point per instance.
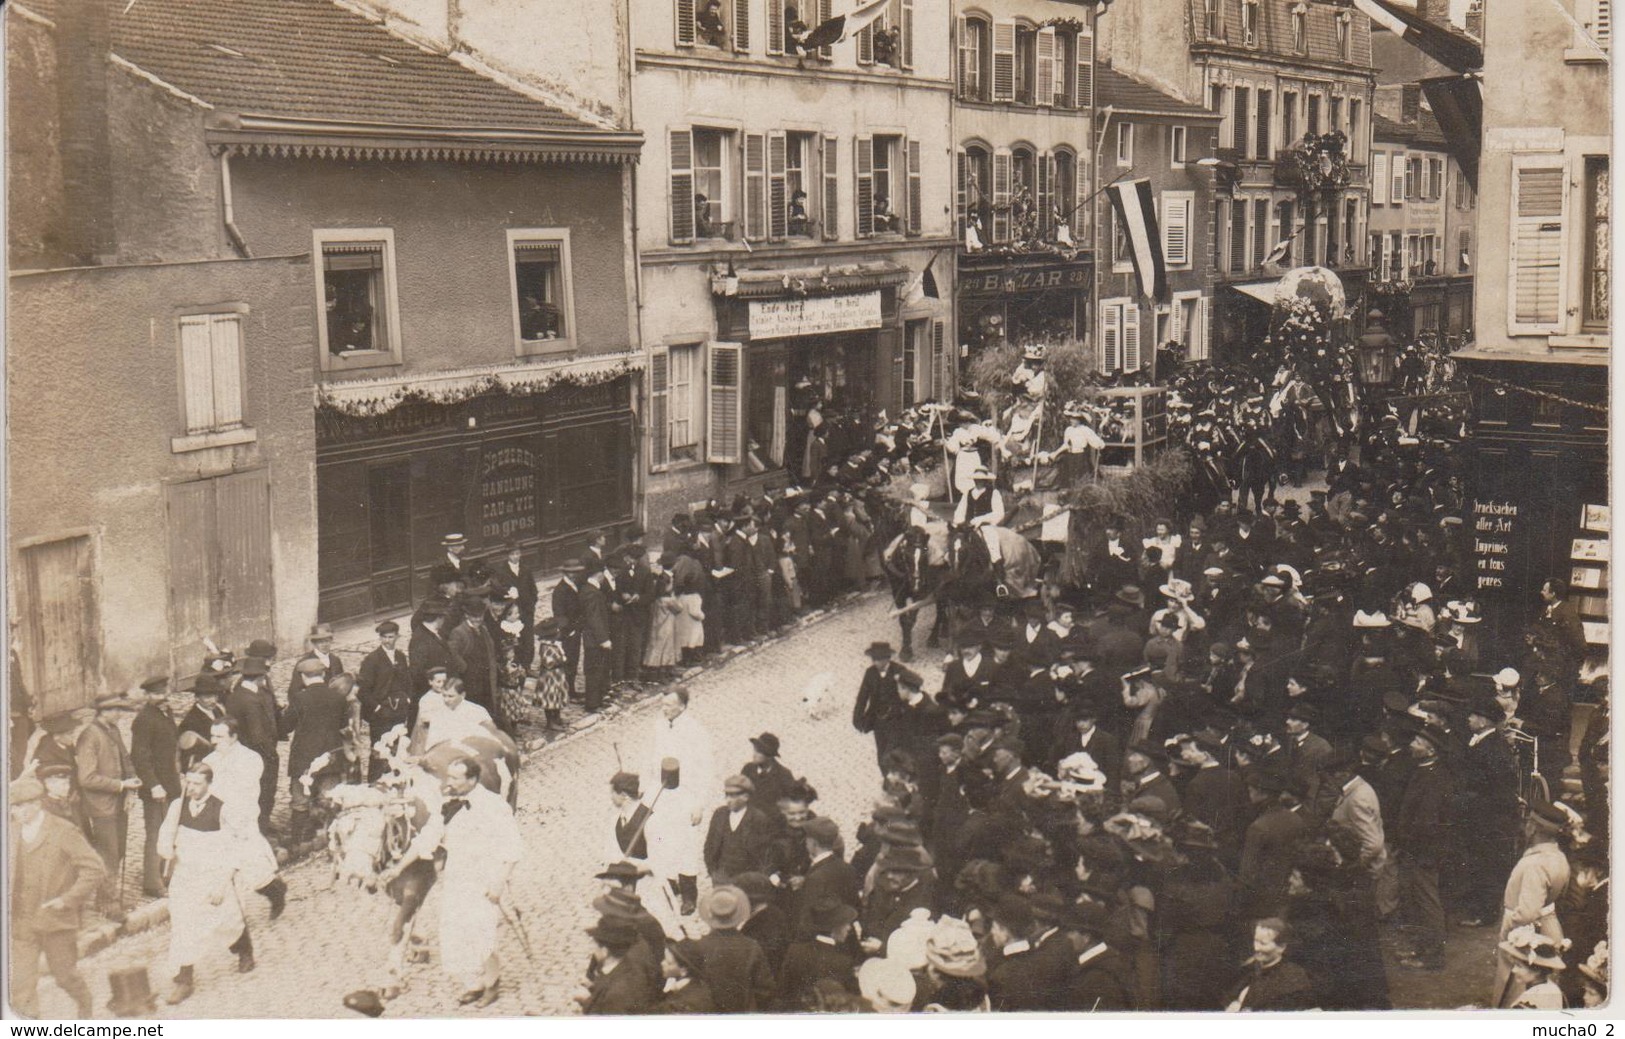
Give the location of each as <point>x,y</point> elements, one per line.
<point>775,26</point>
<point>755,187</point>
<point>1086,71</point>
<point>1379,179</point>
<point>1046,66</point>
<point>1001,195</point>
<point>1396,181</point>
<point>1041,198</point>
<point>196,378</point>
<point>939,361</point>
<point>1111,337</point>
<point>832,187</point>
<point>1004,61</point>
<point>226,367</point>
<point>1083,215</point>
<point>824,10</point>
<point>866,44</point>
<point>1539,201</point>
<point>915,194</point>
<point>723,391</point>
<point>659,408</point>
<point>685,22</point>
<point>741,26</point>
<point>681,150</point>
<point>1131,337</point>
<point>1382,257</point>
<point>961,189</point>
<point>908,33</point>
<point>1200,347</point>
<point>1176,320</point>
<point>967,58</point>
<point>1602,24</point>
<point>863,196</point>
<point>777,185</point>
<point>1176,217</point>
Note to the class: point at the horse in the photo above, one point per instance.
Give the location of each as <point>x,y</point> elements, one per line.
<point>916,562</point>
<point>974,578</point>
<point>374,824</point>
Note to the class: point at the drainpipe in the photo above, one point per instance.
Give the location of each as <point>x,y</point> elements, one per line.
<point>627,84</point>
<point>229,214</point>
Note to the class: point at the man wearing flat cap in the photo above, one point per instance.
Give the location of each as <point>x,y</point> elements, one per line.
<point>105,779</point>
<point>741,835</point>
<point>54,874</point>
<point>384,689</point>
<point>829,876</point>
<point>155,755</point>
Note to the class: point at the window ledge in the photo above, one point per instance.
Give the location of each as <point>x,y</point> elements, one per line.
<point>680,467</point>
<point>1586,341</point>
<point>355,359</point>
<point>204,441</point>
<point>1583,56</point>
<point>544,347</point>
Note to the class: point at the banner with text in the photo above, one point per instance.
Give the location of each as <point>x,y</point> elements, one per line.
<point>816,315</point>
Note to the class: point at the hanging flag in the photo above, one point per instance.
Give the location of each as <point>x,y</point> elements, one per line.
<point>1282,247</point>
<point>1448,46</point>
<point>843,26</point>
<point>928,284</point>
<point>1137,215</point>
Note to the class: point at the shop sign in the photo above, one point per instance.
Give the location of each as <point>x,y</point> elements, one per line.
<point>507,493</point>
<point>814,315</point>
<point>1030,279</point>
<point>1495,525</point>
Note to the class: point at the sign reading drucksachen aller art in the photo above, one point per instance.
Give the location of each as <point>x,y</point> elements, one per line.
<point>817,315</point>
<point>1495,532</point>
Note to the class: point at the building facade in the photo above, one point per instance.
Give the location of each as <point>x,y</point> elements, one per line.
<point>1538,367</point>
<point>1025,173</point>
<point>1276,72</point>
<point>1149,134</point>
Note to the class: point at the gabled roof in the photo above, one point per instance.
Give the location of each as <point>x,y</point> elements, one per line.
<point>317,64</point>
<point>1125,94</point>
<point>1424,133</point>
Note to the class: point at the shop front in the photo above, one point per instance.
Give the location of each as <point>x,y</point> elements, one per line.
<point>1020,299</point>
<point>500,461</point>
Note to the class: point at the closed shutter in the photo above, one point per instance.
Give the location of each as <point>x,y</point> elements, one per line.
<point>196,377</point>
<point>226,367</point>
<point>961,189</point>
<point>1083,215</point>
<point>1602,23</point>
<point>1396,180</point>
<point>1131,337</point>
<point>967,56</point>
<point>863,195</point>
<point>832,187</point>
<point>916,197</point>
<point>1379,179</point>
<point>1042,199</point>
<point>777,186</point>
<point>1046,66</point>
<point>1199,341</point>
<point>1264,125</point>
<point>908,33</point>
<point>755,187</point>
<point>1176,315</point>
<point>824,9</point>
<point>1111,338</point>
<point>722,428</point>
<point>1086,71</point>
<point>742,26</point>
<point>1261,230</point>
<point>659,408</point>
<point>866,44</point>
<point>1176,231</point>
<point>1539,199</point>
<point>1004,61</point>
<point>681,149</point>
<point>685,23</point>
<point>1001,195</point>
<point>939,360</point>
<point>775,26</point>
<point>1240,114</point>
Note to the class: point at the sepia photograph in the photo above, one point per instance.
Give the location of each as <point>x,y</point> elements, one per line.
<point>557,508</point>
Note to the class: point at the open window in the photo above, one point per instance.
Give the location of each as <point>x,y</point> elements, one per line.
<point>543,304</point>
<point>356,281</point>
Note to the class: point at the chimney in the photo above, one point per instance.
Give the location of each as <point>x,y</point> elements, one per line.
<point>83,42</point>
<point>1475,20</point>
<point>1435,11</point>
<point>1410,105</point>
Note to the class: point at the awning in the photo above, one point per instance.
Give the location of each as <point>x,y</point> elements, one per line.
<point>1458,104</point>
<point>381,395</point>
<point>1263,291</point>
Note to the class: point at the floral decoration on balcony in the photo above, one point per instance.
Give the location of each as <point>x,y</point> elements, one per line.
<point>1065,25</point>
<point>1320,162</point>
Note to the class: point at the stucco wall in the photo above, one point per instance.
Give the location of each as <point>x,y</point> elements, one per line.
<point>451,250</point>
<point>80,459</point>
<point>33,144</point>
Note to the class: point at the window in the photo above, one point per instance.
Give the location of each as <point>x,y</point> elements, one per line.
<point>801,184</point>
<point>1379,178</point>
<point>1345,38</point>
<point>1119,336</point>
<point>1464,191</point>
<point>1063,85</point>
<point>1314,113</point>
<point>1177,146</point>
<point>1186,325</point>
<point>1216,106</point>
<point>358,291</point>
<point>1264,125</point>
<point>1300,29</point>
<point>1176,227</point>
<point>712,205</point>
<point>1122,251</point>
<point>975,37</point>
<point>1335,120</point>
<point>1065,187</point>
<point>916,381</point>
<point>1379,256</point>
<point>1464,251</point>
<point>1356,139</point>
<point>1125,144</point>
<point>975,191</point>
<point>1238,236</point>
<point>1249,22</point>
<point>1261,230</point>
<point>1350,209</point>
<point>1597,246</point>
<point>211,375</point>
<point>1213,18</point>
<point>1413,167</point>
<point>1026,70</point>
<point>1289,118</point>
<point>543,307</point>
<point>1243,100</point>
<point>686,401</point>
<point>880,172</point>
<point>1024,187</point>
<point>1396,183</point>
<point>713,23</point>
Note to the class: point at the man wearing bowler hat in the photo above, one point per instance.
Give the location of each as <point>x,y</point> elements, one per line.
<point>771,779</point>
<point>823,956</point>
<point>316,718</point>
<point>1489,808</point>
<point>1421,834</point>
<point>253,706</point>
<point>567,611</point>
<point>155,756</point>
<point>318,647</point>
<point>1144,774</point>
<point>105,780</point>
<point>205,709</point>
<point>54,873</point>
<point>878,706</point>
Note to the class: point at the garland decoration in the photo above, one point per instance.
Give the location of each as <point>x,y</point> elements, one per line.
<point>1501,387</point>
<point>367,400</point>
<point>1320,162</point>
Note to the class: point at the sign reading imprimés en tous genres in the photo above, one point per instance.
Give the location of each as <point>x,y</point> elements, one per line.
<point>1495,525</point>
<point>816,315</point>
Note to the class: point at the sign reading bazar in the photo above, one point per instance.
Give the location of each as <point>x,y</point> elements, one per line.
<point>814,315</point>
<point>1495,525</point>
<point>1024,279</point>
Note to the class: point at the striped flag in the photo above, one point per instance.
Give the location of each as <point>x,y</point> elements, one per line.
<point>1137,215</point>
<point>843,26</point>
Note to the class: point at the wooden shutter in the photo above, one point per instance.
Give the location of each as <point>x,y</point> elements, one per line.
<point>1176,320</point>
<point>1264,125</point>
<point>723,386</point>
<point>775,26</point>
<point>866,44</point>
<point>832,187</point>
<point>1086,71</point>
<point>1045,75</point>
<point>1379,179</point>
<point>685,22</point>
<point>908,33</point>
<point>659,408</point>
<point>1602,22</point>
<point>681,150</point>
<point>1043,166</point>
<point>916,197</point>
<point>824,14</point>
<point>967,59</point>
<point>1131,337</point>
<point>1205,330</point>
<point>1539,201</point>
<point>1001,195</point>
<point>1241,103</point>
<point>778,194</point>
<point>755,187</point>
<point>197,360</point>
<point>939,360</point>
<point>226,368</point>
<point>1396,180</point>
<point>1381,259</point>
<point>1004,61</point>
<point>1176,217</point>
<point>1111,337</point>
<point>1083,217</point>
<point>863,195</point>
<point>741,26</point>
<point>962,190</point>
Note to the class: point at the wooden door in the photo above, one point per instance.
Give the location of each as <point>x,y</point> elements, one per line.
<point>61,651</point>
<point>220,585</point>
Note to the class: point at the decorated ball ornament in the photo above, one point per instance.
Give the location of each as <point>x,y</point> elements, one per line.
<point>1315,284</point>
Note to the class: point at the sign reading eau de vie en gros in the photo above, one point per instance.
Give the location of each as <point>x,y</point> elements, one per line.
<point>817,315</point>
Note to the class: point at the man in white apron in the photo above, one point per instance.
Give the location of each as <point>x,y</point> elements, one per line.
<point>236,770</point>
<point>199,843</point>
<point>676,827</point>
